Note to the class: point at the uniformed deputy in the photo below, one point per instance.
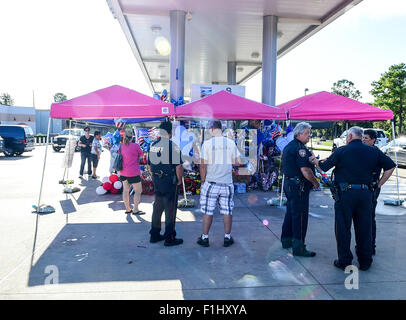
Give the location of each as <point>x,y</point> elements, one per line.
<point>165,162</point>
<point>354,166</point>
<point>369,137</point>
<point>299,180</point>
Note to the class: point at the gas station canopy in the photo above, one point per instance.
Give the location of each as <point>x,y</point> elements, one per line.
<point>218,32</point>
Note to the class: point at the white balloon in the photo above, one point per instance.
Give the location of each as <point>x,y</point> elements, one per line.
<point>117,185</point>
<point>105,179</point>
<point>100,190</point>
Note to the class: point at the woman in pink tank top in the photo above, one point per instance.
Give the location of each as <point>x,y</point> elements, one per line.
<point>130,174</point>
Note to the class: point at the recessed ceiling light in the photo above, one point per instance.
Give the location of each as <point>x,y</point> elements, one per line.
<point>163,46</point>
<point>161,66</point>
<point>280,34</point>
<point>254,55</point>
<point>240,69</point>
<point>162,76</point>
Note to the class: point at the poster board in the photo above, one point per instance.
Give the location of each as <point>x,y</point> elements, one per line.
<point>199,91</point>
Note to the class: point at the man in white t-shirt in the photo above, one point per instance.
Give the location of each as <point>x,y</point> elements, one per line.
<point>218,154</point>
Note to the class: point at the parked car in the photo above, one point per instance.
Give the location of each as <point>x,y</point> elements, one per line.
<point>17,139</point>
<point>382,139</point>
<point>59,142</point>
<point>399,141</point>
<point>397,150</point>
<point>1,144</point>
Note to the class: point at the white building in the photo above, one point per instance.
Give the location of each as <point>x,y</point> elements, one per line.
<point>18,115</point>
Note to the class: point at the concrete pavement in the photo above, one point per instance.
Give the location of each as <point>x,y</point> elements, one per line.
<point>95,251</point>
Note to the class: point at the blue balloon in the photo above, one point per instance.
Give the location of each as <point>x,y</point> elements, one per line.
<point>157,96</point>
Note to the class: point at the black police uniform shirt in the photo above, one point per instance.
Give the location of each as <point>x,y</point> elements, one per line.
<point>356,162</point>
<point>295,156</point>
<point>168,156</point>
<point>87,142</point>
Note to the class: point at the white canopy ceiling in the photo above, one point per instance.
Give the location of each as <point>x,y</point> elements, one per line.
<point>219,31</point>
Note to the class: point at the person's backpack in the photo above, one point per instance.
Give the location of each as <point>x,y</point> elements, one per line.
<point>118,161</point>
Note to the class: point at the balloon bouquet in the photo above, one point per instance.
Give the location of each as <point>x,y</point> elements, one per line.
<point>164,97</point>
<point>110,184</point>
<point>111,141</point>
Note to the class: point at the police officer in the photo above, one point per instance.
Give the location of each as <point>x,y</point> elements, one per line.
<point>166,168</point>
<point>369,137</point>
<point>354,166</point>
<point>299,180</point>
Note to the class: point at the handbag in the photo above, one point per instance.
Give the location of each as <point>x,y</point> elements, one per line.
<point>118,161</point>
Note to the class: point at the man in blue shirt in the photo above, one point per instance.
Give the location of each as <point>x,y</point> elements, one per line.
<point>354,166</point>
<point>299,180</point>
<point>369,138</point>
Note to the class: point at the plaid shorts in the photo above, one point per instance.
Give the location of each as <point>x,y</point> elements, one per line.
<point>212,194</point>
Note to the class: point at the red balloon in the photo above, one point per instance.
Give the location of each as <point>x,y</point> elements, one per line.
<point>114,190</point>
<point>113,178</point>
<point>107,186</point>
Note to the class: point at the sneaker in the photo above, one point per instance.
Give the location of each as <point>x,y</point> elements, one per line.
<point>203,242</point>
<point>95,177</point>
<point>173,242</point>
<point>80,176</point>
<point>228,242</point>
<point>156,239</point>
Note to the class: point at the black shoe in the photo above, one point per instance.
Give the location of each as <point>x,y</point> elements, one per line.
<point>286,243</point>
<point>364,267</point>
<point>173,242</point>
<point>299,249</point>
<point>338,265</point>
<point>228,242</point>
<point>156,239</point>
<point>203,242</point>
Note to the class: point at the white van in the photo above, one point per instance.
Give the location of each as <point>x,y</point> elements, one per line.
<point>382,139</point>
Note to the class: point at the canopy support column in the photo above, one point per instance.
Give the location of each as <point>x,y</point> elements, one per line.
<point>269,56</point>
<point>177,58</point>
<point>396,158</point>
<point>232,72</point>
<point>43,169</point>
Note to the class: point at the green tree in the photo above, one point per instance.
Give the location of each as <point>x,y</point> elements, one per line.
<point>5,99</point>
<point>347,89</point>
<point>59,97</point>
<point>390,93</point>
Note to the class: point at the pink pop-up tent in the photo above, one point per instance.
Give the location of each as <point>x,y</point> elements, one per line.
<point>228,106</point>
<point>112,102</point>
<point>326,106</point>
<point>104,106</point>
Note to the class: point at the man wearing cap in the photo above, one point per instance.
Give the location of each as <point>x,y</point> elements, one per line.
<point>165,162</point>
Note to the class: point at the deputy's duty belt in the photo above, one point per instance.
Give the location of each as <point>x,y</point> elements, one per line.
<point>348,186</point>
<point>160,174</point>
<point>293,178</point>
